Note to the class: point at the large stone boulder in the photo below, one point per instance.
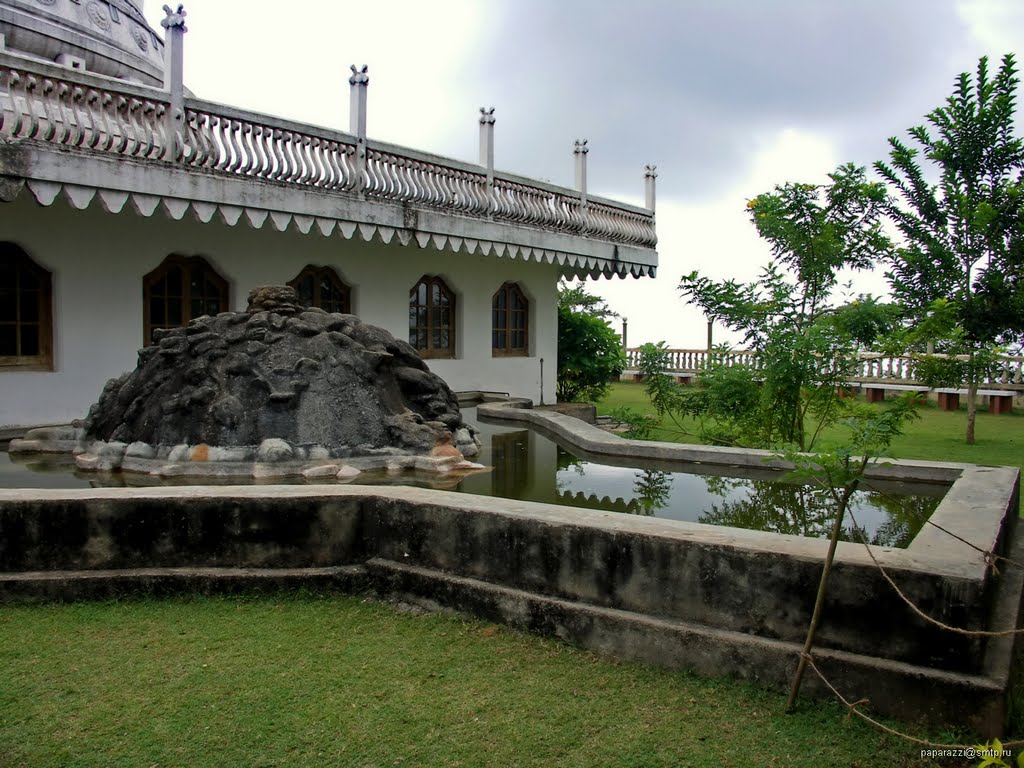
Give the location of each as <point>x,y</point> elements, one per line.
<point>283,372</point>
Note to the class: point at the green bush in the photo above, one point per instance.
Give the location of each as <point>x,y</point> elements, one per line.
<point>590,354</point>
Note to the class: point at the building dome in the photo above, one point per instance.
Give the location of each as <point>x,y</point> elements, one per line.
<point>109,37</point>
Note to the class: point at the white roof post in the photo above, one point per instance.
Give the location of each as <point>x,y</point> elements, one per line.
<point>580,150</point>
<point>174,84</point>
<point>650,174</point>
<point>487,139</point>
<point>487,151</point>
<point>357,101</point>
<point>357,119</point>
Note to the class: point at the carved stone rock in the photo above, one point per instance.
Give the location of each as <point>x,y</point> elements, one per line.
<point>281,375</point>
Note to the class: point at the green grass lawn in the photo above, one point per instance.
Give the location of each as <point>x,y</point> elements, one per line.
<point>336,681</point>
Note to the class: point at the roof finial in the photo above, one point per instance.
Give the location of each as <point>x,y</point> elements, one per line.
<point>359,76</point>
<point>174,18</point>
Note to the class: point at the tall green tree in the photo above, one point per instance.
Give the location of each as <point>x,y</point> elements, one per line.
<point>590,353</point>
<point>962,255</point>
<point>788,318</point>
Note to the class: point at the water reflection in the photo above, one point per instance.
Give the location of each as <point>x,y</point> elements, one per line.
<point>882,518</point>
<point>527,465</point>
<point>652,490</point>
<point>510,457</point>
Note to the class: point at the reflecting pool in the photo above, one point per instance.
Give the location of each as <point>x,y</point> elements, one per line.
<point>528,466</point>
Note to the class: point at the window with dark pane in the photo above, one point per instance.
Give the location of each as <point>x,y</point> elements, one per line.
<point>181,289</point>
<point>321,287</point>
<point>25,314</point>
<point>432,318</point>
<point>510,312</point>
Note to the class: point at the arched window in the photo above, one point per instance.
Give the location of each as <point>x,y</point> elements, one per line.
<point>432,318</point>
<point>321,287</point>
<point>181,289</point>
<point>26,340</point>
<point>510,313</point>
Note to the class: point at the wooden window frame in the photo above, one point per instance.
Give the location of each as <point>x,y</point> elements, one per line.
<point>184,263</point>
<point>430,351</point>
<point>319,273</point>
<point>43,361</point>
<point>508,289</point>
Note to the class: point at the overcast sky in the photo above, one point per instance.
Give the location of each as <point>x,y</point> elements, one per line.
<point>727,97</point>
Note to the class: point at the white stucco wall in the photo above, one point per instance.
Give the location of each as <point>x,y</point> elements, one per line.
<point>98,261</point>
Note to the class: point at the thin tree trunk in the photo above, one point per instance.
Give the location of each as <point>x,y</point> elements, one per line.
<point>972,408</point>
<point>819,602</point>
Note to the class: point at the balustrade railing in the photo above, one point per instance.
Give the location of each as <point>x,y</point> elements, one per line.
<point>514,201</point>
<point>222,139</point>
<point>1006,373</point>
<point>77,110</point>
<point>82,113</point>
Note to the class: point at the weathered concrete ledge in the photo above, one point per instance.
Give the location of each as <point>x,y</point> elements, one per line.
<point>716,600</point>
<point>67,586</point>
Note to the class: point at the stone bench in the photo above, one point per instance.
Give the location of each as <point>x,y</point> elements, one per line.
<point>634,375</point>
<point>999,400</point>
<point>875,392</point>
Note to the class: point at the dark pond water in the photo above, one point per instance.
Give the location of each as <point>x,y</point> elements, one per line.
<point>529,466</point>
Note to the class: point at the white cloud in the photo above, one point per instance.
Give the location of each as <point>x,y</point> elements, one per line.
<point>289,63</point>
<point>715,239</point>
<point>994,25</point>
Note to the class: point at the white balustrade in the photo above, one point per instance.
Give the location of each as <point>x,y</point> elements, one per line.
<point>79,110</point>
<point>1007,372</point>
<point>82,113</point>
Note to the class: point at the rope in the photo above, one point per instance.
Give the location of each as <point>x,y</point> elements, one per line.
<point>918,611</point>
<point>990,557</point>
<point>852,709</point>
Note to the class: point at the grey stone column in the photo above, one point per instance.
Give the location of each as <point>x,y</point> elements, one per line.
<point>580,150</point>
<point>358,84</point>
<point>174,79</point>
<point>650,174</point>
<point>357,101</point>
<point>487,152</point>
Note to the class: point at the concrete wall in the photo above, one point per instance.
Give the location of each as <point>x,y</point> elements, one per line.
<point>715,600</point>
<point>751,583</point>
<point>98,261</point>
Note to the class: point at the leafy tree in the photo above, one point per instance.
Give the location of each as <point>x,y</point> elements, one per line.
<point>590,354</point>
<point>962,256</point>
<point>868,320</point>
<point>804,348</point>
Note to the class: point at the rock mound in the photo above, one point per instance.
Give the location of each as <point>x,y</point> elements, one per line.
<point>280,371</point>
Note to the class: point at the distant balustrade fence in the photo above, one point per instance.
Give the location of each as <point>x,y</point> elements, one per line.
<point>871,367</point>
<point>83,112</point>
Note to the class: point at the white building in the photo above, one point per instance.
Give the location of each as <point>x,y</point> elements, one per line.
<point>126,205</point>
